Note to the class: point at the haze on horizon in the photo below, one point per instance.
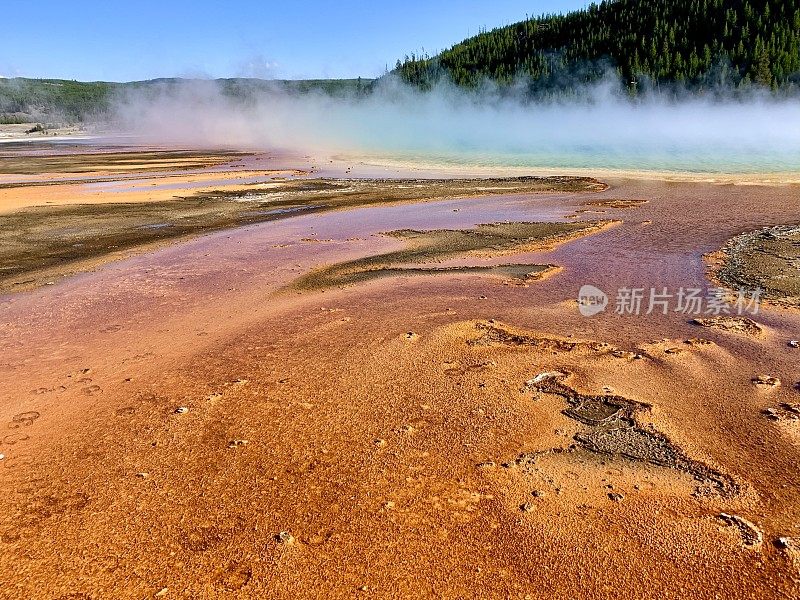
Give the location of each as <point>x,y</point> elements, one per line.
<point>601,128</point>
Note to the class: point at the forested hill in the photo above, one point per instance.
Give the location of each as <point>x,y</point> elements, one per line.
<point>693,43</point>
<point>25,100</point>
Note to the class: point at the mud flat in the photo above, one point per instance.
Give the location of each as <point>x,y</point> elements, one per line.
<point>348,192</point>
<point>617,202</point>
<point>110,162</point>
<point>733,324</point>
<point>613,430</point>
<point>43,243</point>
<point>768,259</point>
<point>185,423</point>
<point>29,133</point>
<point>488,240</point>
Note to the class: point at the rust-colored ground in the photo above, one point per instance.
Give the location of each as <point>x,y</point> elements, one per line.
<point>398,441</point>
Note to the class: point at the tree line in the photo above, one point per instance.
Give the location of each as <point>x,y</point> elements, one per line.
<point>693,43</point>
<point>24,100</point>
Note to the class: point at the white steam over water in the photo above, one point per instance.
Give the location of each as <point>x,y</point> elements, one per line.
<point>453,127</point>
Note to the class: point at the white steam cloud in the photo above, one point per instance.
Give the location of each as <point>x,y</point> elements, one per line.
<point>602,129</point>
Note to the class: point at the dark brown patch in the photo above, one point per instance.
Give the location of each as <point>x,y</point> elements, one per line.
<point>492,334</point>
<point>616,203</point>
<point>612,430</point>
<point>201,539</point>
<point>489,239</point>
<point>734,324</point>
<point>234,577</point>
<point>766,259</point>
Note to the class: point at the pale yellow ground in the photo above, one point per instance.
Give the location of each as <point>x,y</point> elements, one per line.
<point>732,178</point>
<point>145,189</point>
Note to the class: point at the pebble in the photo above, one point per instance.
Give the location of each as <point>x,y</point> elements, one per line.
<point>751,534</point>
<point>771,414</point>
<point>544,376</point>
<point>538,493</point>
<point>792,408</point>
<point>235,443</point>
<point>766,381</point>
<point>380,443</point>
<point>614,496</point>
<point>2,456</point>
<point>181,410</point>
<point>527,507</point>
<point>284,537</point>
<point>388,505</point>
<point>162,592</point>
<point>143,475</point>
<point>794,344</point>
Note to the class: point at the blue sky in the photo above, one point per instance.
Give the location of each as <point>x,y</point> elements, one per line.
<point>142,39</point>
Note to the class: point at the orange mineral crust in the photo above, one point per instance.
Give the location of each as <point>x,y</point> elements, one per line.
<point>188,423</point>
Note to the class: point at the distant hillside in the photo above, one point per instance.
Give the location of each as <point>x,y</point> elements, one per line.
<point>694,43</point>
<point>32,100</point>
<point>27,100</point>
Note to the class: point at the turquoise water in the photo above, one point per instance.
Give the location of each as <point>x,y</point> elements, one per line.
<point>692,136</point>
<point>676,157</point>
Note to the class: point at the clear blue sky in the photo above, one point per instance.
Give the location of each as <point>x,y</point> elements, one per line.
<point>122,40</point>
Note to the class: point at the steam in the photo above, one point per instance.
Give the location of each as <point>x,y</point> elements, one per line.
<point>602,127</point>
